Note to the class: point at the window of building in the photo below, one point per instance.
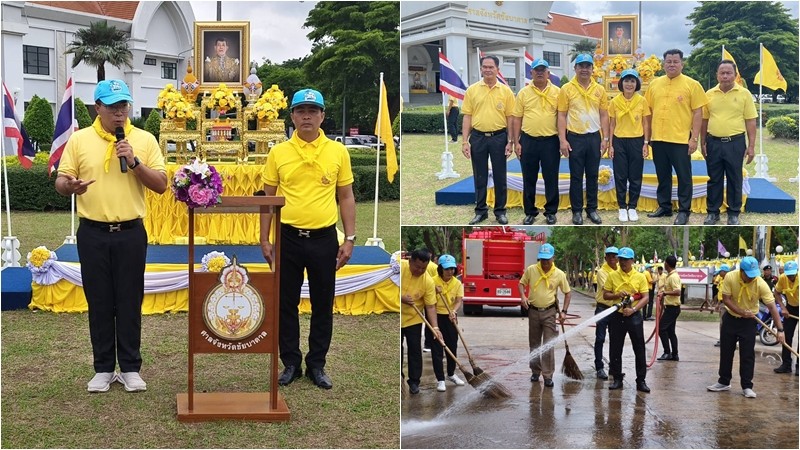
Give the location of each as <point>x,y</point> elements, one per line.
<point>36,60</point>
<point>169,70</point>
<point>149,61</point>
<point>553,58</point>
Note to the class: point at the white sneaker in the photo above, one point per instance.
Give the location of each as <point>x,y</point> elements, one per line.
<point>623,215</point>
<point>749,393</point>
<point>440,386</point>
<point>132,381</point>
<point>426,349</point>
<point>633,216</point>
<point>101,382</point>
<point>454,378</point>
<point>718,387</point>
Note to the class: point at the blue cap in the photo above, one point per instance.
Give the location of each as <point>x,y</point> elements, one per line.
<point>790,268</point>
<point>447,262</point>
<point>307,97</point>
<point>625,253</point>
<point>648,266</point>
<point>613,250</point>
<point>539,62</point>
<point>584,58</point>
<point>629,73</point>
<point>724,268</point>
<point>749,266</point>
<point>546,251</point>
<point>109,92</point>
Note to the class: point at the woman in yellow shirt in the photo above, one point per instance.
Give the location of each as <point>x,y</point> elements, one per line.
<point>452,292</point>
<point>787,288</point>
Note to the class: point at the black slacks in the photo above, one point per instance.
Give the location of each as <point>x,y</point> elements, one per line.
<point>539,152</point>
<point>483,148</point>
<point>618,327</point>
<point>666,329</point>
<point>583,160</point>
<point>628,168</point>
<point>789,326</point>
<point>724,162</point>
<point>413,335</point>
<point>668,156</point>
<point>733,329</point>
<point>450,335</point>
<point>452,123</point>
<point>600,336</point>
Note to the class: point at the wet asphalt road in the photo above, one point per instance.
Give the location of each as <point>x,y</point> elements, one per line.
<point>678,413</point>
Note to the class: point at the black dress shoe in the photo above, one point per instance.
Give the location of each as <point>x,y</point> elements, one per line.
<point>595,218</point>
<point>665,357</point>
<point>675,357</point>
<point>551,219</point>
<point>529,219</point>
<point>289,374</point>
<point>733,219</point>
<point>660,212</point>
<point>478,218</point>
<point>783,369</point>
<point>548,382</point>
<point>682,218</point>
<point>413,388</point>
<point>577,218</point>
<point>616,384</point>
<point>642,386</point>
<point>502,219</point>
<point>711,219</point>
<point>534,378</point>
<point>602,374</point>
<point>319,378</point>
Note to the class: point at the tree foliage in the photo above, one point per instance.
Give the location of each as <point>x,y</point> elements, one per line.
<point>82,114</point>
<point>100,44</point>
<point>153,123</point>
<point>582,46</point>
<point>439,240</point>
<point>39,122</point>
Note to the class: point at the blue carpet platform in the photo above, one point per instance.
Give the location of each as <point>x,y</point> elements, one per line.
<point>16,284</point>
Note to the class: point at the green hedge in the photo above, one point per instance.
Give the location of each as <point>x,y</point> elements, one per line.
<point>425,122</point>
<point>364,185</point>
<point>782,127</point>
<point>776,111</point>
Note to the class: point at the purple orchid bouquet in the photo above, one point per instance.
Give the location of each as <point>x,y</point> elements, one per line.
<point>197,184</point>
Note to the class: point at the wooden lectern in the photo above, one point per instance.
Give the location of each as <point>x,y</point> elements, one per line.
<point>235,311</point>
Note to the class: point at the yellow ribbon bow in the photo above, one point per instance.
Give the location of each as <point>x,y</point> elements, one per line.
<point>584,92</point>
<point>543,276</point>
<point>543,95</point>
<point>110,137</point>
<point>627,107</point>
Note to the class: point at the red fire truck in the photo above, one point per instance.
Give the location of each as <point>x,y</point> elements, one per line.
<point>494,260</point>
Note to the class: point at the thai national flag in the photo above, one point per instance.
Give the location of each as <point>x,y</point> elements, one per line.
<point>500,76</point>
<point>12,128</point>
<point>449,81</point>
<point>528,68</point>
<point>66,124</point>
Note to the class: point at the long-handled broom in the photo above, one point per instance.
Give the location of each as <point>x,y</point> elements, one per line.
<point>477,369</point>
<point>776,336</point>
<point>483,382</point>
<point>569,367</point>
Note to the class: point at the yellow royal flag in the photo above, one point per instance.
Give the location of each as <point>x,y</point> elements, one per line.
<point>726,55</point>
<point>742,244</point>
<point>772,76</point>
<point>383,128</point>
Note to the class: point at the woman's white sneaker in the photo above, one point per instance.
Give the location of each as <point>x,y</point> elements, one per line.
<point>440,386</point>
<point>101,382</point>
<point>454,378</point>
<point>633,216</point>
<point>623,215</point>
<point>132,381</point>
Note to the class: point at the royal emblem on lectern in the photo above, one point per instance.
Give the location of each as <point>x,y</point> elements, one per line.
<point>233,309</point>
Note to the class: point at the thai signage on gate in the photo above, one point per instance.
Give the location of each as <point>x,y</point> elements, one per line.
<point>694,275</point>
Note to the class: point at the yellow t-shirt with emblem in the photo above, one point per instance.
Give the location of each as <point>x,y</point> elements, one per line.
<point>489,106</point>
<point>718,282</point>
<point>602,276</point>
<point>114,196</point>
<point>421,289</point>
<point>672,283</point>
<point>746,295</point>
<point>538,109</point>
<point>307,174</point>
<point>632,282</point>
<point>582,106</point>
<point>672,102</point>
<point>727,111</point>
<point>543,287</point>
<point>451,290</point>
<point>628,115</point>
<point>787,288</point>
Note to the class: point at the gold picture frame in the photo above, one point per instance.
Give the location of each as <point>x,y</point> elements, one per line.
<point>620,35</point>
<point>222,54</point>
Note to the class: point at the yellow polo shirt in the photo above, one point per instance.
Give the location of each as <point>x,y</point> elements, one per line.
<point>114,196</point>
<point>307,174</point>
<point>672,283</point>
<point>602,276</point>
<point>727,111</point>
<point>543,287</point>
<point>451,290</point>
<point>787,288</point>
<point>421,289</point>
<point>672,102</point>
<point>660,279</point>
<point>628,115</point>
<point>582,106</point>
<point>718,282</point>
<point>746,295</point>
<point>488,106</point>
<point>632,282</point>
<point>649,277</point>
<point>538,109</point>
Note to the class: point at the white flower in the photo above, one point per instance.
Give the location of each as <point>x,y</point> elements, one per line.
<point>208,59</point>
<point>198,167</point>
<point>214,261</point>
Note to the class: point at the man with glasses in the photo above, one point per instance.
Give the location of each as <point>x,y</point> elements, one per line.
<point>112,241</point>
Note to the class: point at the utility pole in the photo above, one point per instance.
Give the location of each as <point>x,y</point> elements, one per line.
<point>219,11</point>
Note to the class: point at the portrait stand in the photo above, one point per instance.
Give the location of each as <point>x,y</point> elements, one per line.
<point>262,337</point>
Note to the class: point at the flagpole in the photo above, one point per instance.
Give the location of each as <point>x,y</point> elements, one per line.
<point>762,165</point>
<point>71,239</point>
<point>10,252</point>
<point>377,162</point>
<point>447,157</point>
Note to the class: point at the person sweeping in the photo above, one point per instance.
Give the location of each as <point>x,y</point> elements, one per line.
<point>451,291</point>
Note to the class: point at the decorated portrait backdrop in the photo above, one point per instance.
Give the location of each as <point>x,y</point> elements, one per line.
<point>231,67</point>
<point>620,35</point>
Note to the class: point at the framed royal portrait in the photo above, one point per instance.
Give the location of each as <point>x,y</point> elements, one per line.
<point>222,53</point>
<point>620,35</point>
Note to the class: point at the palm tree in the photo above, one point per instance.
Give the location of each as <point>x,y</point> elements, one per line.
<point>582,46</point>
<point>100,44</point>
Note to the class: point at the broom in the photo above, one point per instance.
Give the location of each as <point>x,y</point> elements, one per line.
<point>482,382</point>
<point>776,336</point>
<point>569,367</point>
<point>477,369</point>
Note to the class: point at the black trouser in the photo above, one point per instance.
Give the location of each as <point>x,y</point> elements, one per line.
<point>539,152</point>
<point>452,123</point>
<point>584,159</point>
<point>600,336</point>
<point>482,148</point>
<point>789,326</point>
<point>317,255</point>
<point>628,168</point>
<point>618,327</point>
<point>413,335</point>
<point>724,160</point>
<point>112,270</point>
<point>666,329</point>
<point>648,311</point>
<point>731,330</point>
<point>429,339</point>
<point>668,156</point>
<point>450,335</point>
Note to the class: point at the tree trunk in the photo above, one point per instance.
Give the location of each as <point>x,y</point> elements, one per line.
<point>101,72</point>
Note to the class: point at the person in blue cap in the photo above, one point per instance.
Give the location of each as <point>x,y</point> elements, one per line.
<point>786,292</point>
<point>452,291</point>
<point>111,206</point>
<point>542,281</point>
<point>741,291</point>
<point>610,265</point>
<point>312,172</point>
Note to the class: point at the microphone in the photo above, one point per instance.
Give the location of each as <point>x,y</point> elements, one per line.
<point>123,163</point>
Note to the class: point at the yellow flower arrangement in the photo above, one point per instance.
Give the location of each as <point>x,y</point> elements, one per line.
<point>603,175</point>
<point>174,105</point>
<point>38,256</point>
<point>269,104</point>
<point>618,64</point>
<point>648,68</point>
<point>214,261</point>
<point>221,99</point>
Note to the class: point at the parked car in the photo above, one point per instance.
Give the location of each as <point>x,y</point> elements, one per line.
<point>766,98</point>
<point>780,98</point>
<point>352,142</point>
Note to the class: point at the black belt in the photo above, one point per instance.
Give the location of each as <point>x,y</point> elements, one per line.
<point>307,233</point>
<point>603,305</point>
<point>112,227</point>
<point>540,138</point>
<point>489,133</point>
<point>542,309</point>
<point>572,133</point>
<point>725,138</point>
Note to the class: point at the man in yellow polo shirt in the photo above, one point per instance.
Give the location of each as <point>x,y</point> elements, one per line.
<point>621,284</point>
<point>311,172</point>
<point>112,241</point>
<point>741,291</point>
<point>730,113</point>
<point>487,109</point>
<point>787,288</point>
<point>610,265</point>
<point>582,115</point>
<point>651,294</point>
<point>669,299</point>
<point>676,101</point>
<point>535,138</point>
<point>716,291</point>
<point>543,280</point>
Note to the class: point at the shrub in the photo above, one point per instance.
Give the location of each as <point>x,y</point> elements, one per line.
<point>425,122</point>
<point>33,189</point>
<point>82,114</point>
<point>153,123</point>
<point>564,80</point>
<point>138,122</point>
<point>772,111</point>
<point>364,184</point>
<point>782,127</point>
<point>39,121</point>
<point>396,126</point>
